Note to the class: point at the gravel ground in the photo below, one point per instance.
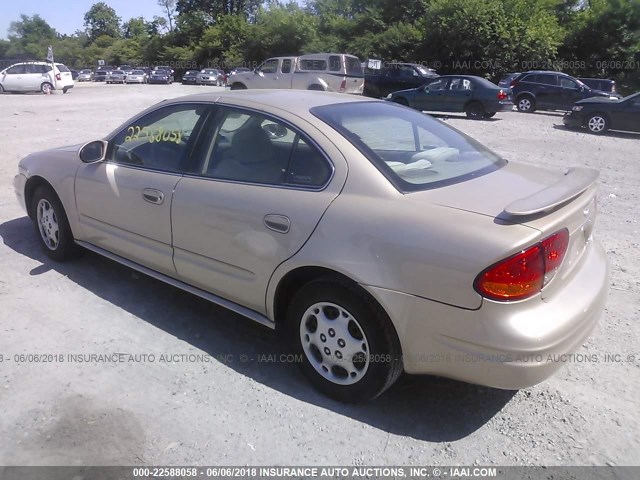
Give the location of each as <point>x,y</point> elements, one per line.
<point>261,411</point>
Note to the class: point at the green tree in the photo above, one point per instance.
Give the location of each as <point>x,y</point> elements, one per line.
<point>29,37</point>
<point>101,20</point>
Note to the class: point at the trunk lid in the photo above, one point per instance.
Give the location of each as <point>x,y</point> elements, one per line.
<point>534,197</point>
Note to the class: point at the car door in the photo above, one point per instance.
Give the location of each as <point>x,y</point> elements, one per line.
<point>627,116</point>
<point>13,78</point>
<point>124,203</point>
<point>268,75</point>
<point>252,200</point>
<point>459,92</point>
<point>431,96</point>
<point>547,90</point>
<point>570,92</point>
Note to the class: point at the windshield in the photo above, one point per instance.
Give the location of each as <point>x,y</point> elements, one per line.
<point>413,150</point>
<point>425,71</point>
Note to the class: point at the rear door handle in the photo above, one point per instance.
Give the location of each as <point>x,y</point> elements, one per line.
<point>277,223</point>
<point>152,195</point>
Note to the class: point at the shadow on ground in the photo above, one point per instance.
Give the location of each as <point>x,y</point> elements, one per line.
<point>608,133</point>
<point>425,408</point>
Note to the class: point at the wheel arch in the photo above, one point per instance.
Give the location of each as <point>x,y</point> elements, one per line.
<point>31,186</point>
<point>295,279</point>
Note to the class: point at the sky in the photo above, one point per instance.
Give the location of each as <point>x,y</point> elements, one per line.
<point>68,16</point>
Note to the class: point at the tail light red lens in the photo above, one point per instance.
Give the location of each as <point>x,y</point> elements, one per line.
<point>502,95</point>
<point>514,83</point>
<point>343,86</point>
<point>58,77</point>
<point>526,273</point>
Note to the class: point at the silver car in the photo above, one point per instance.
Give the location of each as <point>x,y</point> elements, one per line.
<point>377,239</point>
<point>136,76</point>
<point>117,76</point>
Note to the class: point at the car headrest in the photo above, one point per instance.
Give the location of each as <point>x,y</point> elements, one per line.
<point>251,145</point>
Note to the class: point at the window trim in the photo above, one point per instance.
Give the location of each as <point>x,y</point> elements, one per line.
<point>214,117</point>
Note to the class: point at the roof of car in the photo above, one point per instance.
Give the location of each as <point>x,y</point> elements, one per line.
<point>550,72</point>
<point>295,101</point>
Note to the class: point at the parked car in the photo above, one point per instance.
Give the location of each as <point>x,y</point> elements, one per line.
<point>602,84</point>
<point>331,72</point>
<point>117,76</point>
<point>165,68</point>
<point>476,96</point>
<point>396,76</point>
<point>211,76</point>
<point>191,77</point>
<point>161,76</point>
<point>136,76</point>
<point>598,115</point>
<point>85,75</point>
<point>102,74</point>
<point>507,79</point>
<point>36,76</point>
<point>127,69</point>
<point>461,254</point>
<point>546,90</point>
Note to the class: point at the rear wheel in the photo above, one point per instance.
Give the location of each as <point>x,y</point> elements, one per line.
<point>1,89</point>
<point>52,225</point>
<point>316,88</point>
<point>46,87</point>
<point>526,104</point>
<point>348,346</point>
<point>597,123</point>
<point>489,114</point>
<point>475,111</point>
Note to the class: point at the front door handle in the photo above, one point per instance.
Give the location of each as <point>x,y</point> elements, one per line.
<point>277,223</point>
<point>152,195</point>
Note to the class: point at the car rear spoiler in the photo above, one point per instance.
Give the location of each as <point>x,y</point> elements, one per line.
<point>573,183</point>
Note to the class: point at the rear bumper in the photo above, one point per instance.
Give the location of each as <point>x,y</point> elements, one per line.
<point>499,106</point>
<point>502,345</point>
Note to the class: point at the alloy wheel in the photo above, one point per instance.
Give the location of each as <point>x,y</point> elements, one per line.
<point>48,224</point>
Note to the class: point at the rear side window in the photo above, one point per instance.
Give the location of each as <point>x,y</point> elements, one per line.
<point>335,65</point>
<point>546,79</point>
<point>413,151</point>
<point>286,66</point>
<point>309,64</point>
<point>62,67</point>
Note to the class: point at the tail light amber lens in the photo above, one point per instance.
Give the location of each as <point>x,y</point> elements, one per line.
<point>526,273</point>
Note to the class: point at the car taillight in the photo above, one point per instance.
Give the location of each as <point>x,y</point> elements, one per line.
<point>513,84</point>
<point>526,273</point>
<point>502,95</point>
<point>58,77</point>
<point>343,86</point>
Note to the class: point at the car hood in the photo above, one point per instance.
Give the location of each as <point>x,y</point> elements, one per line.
<point>513,193</point>
<point>599,99</point>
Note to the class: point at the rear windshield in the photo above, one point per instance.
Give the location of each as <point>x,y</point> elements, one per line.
<point>62,68</point>
<point>354,67</point>
<point>137,72</point>
<point>414,151</point>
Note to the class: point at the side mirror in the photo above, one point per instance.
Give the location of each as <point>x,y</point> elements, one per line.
<point>93,152</point>
<point>275,130</point>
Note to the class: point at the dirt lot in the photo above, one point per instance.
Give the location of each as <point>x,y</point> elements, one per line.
<point>259,410</point>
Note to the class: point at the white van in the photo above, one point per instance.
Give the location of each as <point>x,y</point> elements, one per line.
<point>329,72</point>
<point>34,76</point>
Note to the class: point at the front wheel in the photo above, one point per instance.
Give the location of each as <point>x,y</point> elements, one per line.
<point>489,115</point>
<point>348,346</point>
<point>238,86</point>
<point>52,225</point>
<point>597,123</point>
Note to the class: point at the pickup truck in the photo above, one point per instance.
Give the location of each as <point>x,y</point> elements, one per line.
<point>329,72</point>
<point>396,76</point>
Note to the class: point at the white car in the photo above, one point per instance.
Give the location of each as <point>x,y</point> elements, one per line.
<point>34,76</point>
<point>136,76</point>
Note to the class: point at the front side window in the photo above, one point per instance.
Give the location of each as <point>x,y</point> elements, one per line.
<point>439,84</point>
<point>16,70</point>
<point>270,66</point>
<point>159,140</point>
<point>250,147</point>
<point>568,83</point>
<point>414,151</point>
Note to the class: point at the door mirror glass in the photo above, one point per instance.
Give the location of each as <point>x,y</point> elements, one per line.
<point>93,152</point>
<point>275,130</point>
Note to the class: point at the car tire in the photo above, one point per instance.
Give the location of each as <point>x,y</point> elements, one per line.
<point>401,101</point>
<point>489,114</point>
<point>474,111</point>
<point>597,123</point>
<point>51,224</point>
<point>238,86</point>
<point>316,88</point>
<point>65,90</point>
<point>526,104</point>
<point>46,86</point>
<point>348,324</point>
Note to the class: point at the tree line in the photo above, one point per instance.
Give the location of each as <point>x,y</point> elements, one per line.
<point>481,37</point>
